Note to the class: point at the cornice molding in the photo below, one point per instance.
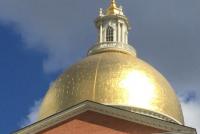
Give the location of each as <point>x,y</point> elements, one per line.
<point>106,110</point>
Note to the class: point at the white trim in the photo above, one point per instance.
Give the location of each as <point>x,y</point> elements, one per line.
<point>106,110</point>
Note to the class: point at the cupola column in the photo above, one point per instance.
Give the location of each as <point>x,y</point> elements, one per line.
<point>118,32</point>
<point>101,34</point>
<point>122,33</point>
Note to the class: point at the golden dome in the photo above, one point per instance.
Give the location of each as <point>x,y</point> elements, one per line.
<point>112,74</point>
<point>116,79</point>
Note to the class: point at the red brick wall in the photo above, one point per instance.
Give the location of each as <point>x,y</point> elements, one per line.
<point>95,123</point>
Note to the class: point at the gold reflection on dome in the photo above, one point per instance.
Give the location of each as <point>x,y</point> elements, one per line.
<point>142,82</point>
<point>116,79</point>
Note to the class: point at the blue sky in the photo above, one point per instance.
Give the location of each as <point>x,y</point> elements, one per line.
<point>40,39</point>
<point>22,79</point>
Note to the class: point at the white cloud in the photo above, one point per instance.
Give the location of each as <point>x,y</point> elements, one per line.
<point>50,27</point>
<point>32,116</point>
<point>191,111</point>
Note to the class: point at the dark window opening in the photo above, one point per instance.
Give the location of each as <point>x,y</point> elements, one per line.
<point>109,34</point>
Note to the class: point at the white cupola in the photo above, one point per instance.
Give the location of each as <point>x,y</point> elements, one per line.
<point>113,27</point>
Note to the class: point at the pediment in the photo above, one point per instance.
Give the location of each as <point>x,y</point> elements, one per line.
<point>89,106</point>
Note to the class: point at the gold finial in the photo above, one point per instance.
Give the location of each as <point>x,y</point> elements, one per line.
<point>112,9</point>
<point>113,3</point>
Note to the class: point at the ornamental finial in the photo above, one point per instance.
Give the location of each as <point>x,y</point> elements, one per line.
<point>112,9</point>
<point>113,3</point>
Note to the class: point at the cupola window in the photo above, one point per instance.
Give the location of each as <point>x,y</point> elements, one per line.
<point>109,34</point>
